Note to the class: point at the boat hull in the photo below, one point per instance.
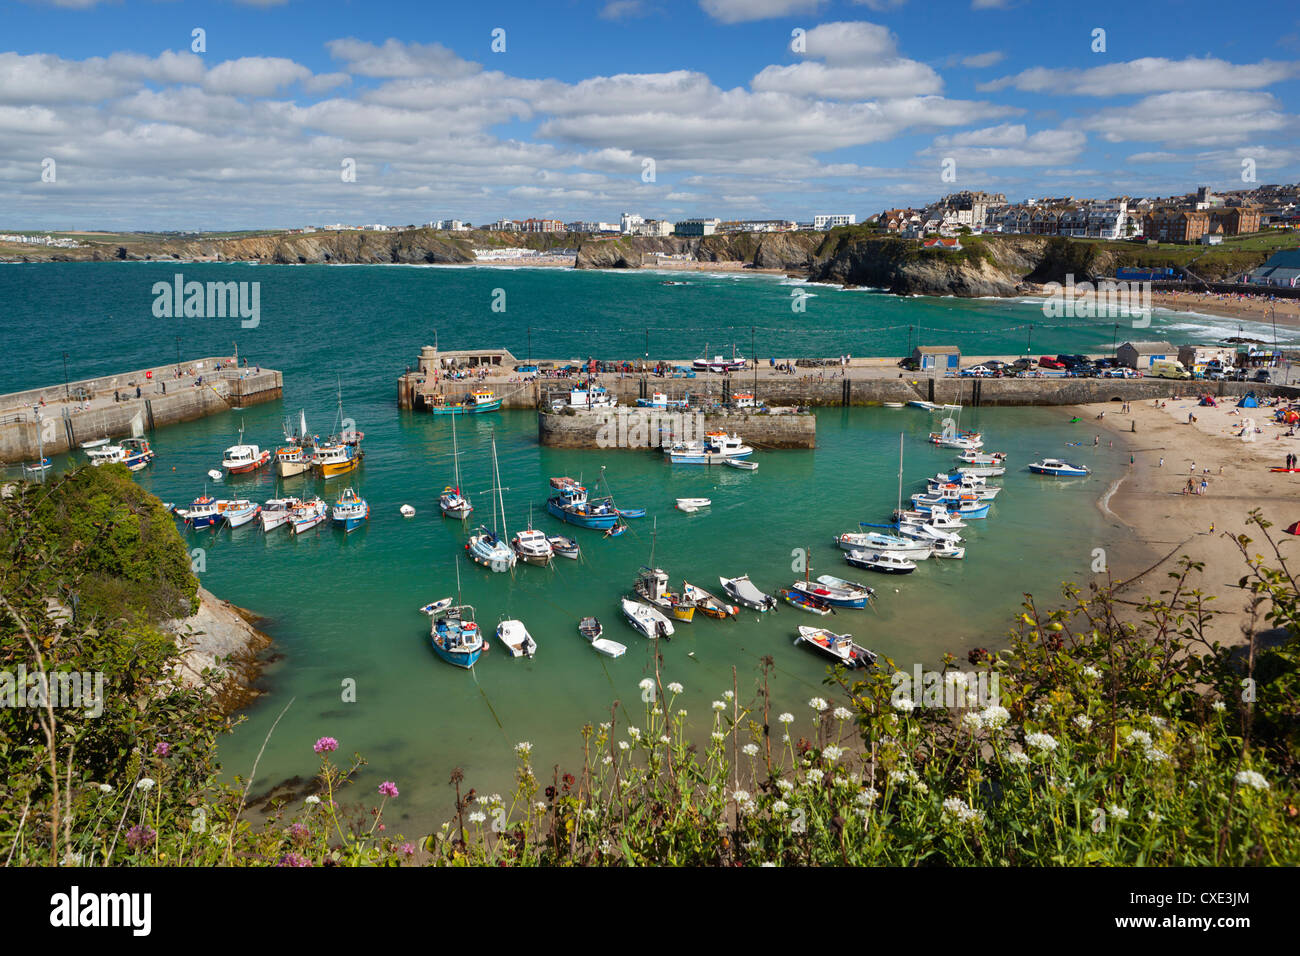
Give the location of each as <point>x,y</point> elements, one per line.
<point>461,409</point>
<point>595,522</point>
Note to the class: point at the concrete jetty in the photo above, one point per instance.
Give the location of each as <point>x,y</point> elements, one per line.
<point>641,428</point>
<point>58,418</point>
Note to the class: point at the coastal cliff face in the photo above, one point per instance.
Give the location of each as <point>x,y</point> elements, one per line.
<point>902,266</point>
<point>793,251</point>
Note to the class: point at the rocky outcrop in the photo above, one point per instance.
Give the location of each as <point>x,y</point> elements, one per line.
<point>222,637</point>
<point>904,267</point>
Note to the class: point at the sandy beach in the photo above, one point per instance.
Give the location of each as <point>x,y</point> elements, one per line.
<point>1168,523</point>
<point>1232,306</point>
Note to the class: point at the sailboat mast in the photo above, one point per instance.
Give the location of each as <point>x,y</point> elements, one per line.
<point>900,471</point>
<point>455,453</point>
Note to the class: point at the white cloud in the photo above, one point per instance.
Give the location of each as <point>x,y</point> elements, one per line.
<point>397,59</point>
<point>854,42</point>
<point>623,9</point>
<point>891,79</point>
<point>254,75</point>
<point>739,11</point>
<point>1199,118</point>
<point>1148,75</point>
<point>978,60</point>
<point>1008,145</point>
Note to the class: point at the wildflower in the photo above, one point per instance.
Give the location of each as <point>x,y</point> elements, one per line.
<point>1041,741</point>
<point>604,725</point>
<point>818,704</point>
<point>780,806</point>
<point>325,745</point>
<point>634,733</point>
<point>1017,758</point>
<point>622,745</point>
<point>904,704</point>
<point>140,836</point>
<point>972,721</point>
<point>1219,706</point>
<point>742,796</point>
<point>719,706</point>
<point>388,789</point>
<point>1083,722</point>
<point>1091,672</point>
<point>1249,778</point>
<point>663,739</point>
<point>994,717</point>
<point>718,736</point>
<point>312,800</point>
<point>607,760</point>
<point>298,833</point>
<point>1139,737</point>
<point>1117,812</point>
<point>1155,755</point>
<point>161,748</point>
<point>750,750</point>
<point>867,797</point>
<point>955,809</point>
<point>408,849</point>
<point>675,688</point>
<point>647,684</point>
<point>145,784</point>
<point>681,713</point>
<point>841,713</point>
<point>785,785</point>
<point>786,718</point>
<point>523,749</point>
<point>540,806</point>
<point>903,776</point>
<point>71,859</point>
<point>105,788</point>
<point>477,817</point>
<point>293,859</point>
<point>833,753</point>
<point>767,863</point>
<point>728,694</point>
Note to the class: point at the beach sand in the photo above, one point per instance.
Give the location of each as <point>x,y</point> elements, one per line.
<point>1167,523</point>
<point>1250,308</point>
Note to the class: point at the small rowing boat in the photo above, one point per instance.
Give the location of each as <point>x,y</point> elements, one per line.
<point>706,603</point>
<point>516,638</point>
<point>840,647</point>
<point>744,592</point>
<point>804,601</point>
<point>591,631</point>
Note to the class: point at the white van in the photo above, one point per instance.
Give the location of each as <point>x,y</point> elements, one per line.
<point>1168,368</point>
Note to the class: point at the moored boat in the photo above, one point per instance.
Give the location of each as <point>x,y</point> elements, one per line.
<point>240,459</point>
<point>717,448</point>
<point>138,453</point>
<point>451,502</point>
<point>476,402</point>
<point>837,591</point>
<point>706,603</point>
<point>486,547</point>
<point>691,505</point>
<point>805,601</point>
<point>1058,468</point>
<point>884,562</point>
<point>240,512</point>
<point>876,541</point>
<point>455,636</point>
<point>350,511</point>
<point>278,511</point>
<point>564,547</point>
<point>533,547</point>
<point>652,587</point>
<point>840,647</point>
<point>743,591</point>
<point>516,638</point>
<point>308,515</point>
<point>571,504</point>
<point>743,463</point>
<point>591,631</point>
<point>649,621</point>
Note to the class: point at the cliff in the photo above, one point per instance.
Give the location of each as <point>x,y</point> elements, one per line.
<point>788,251</point>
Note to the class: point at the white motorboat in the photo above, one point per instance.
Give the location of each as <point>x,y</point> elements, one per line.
<point>948,549</point>
<point>943,520</point>
<point>591,631</point>
<point>650,622</point>
<point>106,454</point>
<point>837,646</point>
<point>982,471</point>
<point>691,505</point>
<point>240,512</point>
<point>533,547</point>
<point>1058,468</point>
<point>312,513</point>
<point>743,591</point>
<point>928,533</point>
<point>240,459</point>
<point>406,511</point>
<point>278,511</point>
<point>717,448</point>
<point>439,605</point>
<point>742,463</point>
<point>884,562</point>
<point>564,546</point>
<point>892,404</point>
<point>95,443</point>
<point>214,474</point>
<point>591,396</point>
<point>875,541</point>
<point>516,638</point>
<point>973,456</point>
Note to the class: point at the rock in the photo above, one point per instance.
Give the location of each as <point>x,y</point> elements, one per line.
<point>220,636</point>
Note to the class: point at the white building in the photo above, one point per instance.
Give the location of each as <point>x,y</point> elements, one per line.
<point>698,227</point>
<point>824,223</point>
<point>628,223</point>
<point>655,228</point>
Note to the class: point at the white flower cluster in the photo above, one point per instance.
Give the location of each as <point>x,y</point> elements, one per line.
<point>956,810</point>
<point>1018,758</point>
<point>675,688</point>
<point>818,704</point>
<point>1039,741</point>
<point>1249,778</point>
<point>1083,722</point>
<point>833,753</point>
<point>908,776</point>
<point>992,717</point>
<point>867,797</point>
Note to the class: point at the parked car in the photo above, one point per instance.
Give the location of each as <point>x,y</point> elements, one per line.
<point>1024,364</point>
<point>1261,375</point>
<point>1070,361</point>
<point>1048,362</point>
<point>1120,372</point>
<point>977,371</point>
<point>909,364</point>
<point>526,369</point>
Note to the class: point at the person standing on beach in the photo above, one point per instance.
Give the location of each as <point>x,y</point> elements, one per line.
<point>1204,485</point>
<point>1162,463</point>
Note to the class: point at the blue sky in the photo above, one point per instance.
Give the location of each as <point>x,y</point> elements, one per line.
<point>253,131</point>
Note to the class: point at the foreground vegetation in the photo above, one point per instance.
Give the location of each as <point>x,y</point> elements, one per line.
<point>1110,743</point>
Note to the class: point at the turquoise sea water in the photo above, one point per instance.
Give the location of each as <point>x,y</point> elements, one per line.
<point>344,608</point>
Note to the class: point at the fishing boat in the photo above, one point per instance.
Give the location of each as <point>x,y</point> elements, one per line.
<point>975,457</point>
<point>716,449</point>
<point>982,471</point>
<point>928,533</point>
<point>660,400</point>
<point>455,636</point>
<point>1058,468</point>
<point>692,505</point>
<point>743,591</point>
<point>719,363</point>
<point>533,547</point>
<point>439,605</point>
<point>240,458</point>
<point>37,467</point>
<point>570,503</point>
<point>341,453</point>
<point>452,503</point>
<point>948,549</point>
<point>516,638</point>
<point>106,455</point>
<point>240,512</point>
<point>877,541</point>
<point>564,547</point>
<point>965,505</point>
<point>943,520</point>
<point>278,511</point>
<point>836,591</point>
<point>406,511</point>
<point>486,547</point>
<point>475,402</point>
<point>94,443</point>
<point>840,647</point>
<point>292,458</point>
<point>804,601</point>
<point>706,603</point>
<point>350,511</point>
<point>950,484</point>
<point>312,513</point>
<point>927,406</point>
<point>885,562</point>
<point>202,513</point>
<point>649,621</point>
<point>652,587</point>
<point>138,453</point>
<point>958,440</point>
<point>590,396</point>
<point>591,631</point>
<point>742,463</point>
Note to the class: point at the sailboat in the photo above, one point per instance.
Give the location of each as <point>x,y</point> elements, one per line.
<point>532,545</point>
<point>487,547</point>
<point>451,501</point>
<point>241,459</point>
<point>804,595</point>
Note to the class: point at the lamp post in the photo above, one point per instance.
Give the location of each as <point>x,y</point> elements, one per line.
<point>178,356</point>
<point>67,394</point>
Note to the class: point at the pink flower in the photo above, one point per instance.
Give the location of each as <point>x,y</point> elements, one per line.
<point>408,849</point>
<point>162,748</point>
<point>388,789</point>
<point>326,745</point>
